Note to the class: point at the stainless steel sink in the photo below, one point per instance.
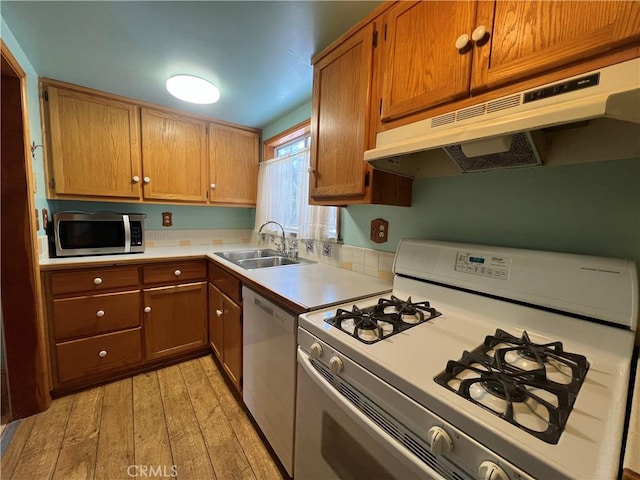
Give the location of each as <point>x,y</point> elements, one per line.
<point>264,262</point>
<point>264,258</point>
<point>244,254</point>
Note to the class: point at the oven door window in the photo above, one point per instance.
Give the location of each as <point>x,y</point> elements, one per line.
<point>78,234</point>
<point>348,458</point>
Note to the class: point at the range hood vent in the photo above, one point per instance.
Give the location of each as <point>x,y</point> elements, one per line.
<point>589,117</point>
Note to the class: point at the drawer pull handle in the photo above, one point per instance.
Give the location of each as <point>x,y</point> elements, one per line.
<point>177,273</point>
<point>219,313</point>
<point>100,313</point>
<point>147,309</point>
<point>97,281</point>
<point>102,354</point>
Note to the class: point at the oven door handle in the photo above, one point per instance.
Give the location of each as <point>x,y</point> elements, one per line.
<point>362,419</point>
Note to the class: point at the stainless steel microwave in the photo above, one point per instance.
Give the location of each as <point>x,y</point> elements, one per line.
<point>76,234</point>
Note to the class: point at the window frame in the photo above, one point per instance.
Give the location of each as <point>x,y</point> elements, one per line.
<point>289,135</point>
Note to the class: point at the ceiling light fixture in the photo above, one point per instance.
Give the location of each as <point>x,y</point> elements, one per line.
<point>193,89</point>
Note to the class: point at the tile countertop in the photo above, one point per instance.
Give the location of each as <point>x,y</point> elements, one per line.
<point>307,286</point>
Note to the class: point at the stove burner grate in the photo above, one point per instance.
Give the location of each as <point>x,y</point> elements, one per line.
<point>388,317</point>
<point>508,385</point>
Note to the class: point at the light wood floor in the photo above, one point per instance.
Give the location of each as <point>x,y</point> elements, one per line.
<point>182,418</point>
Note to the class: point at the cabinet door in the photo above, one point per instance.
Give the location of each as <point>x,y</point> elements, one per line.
<point>421,65</point>
<point>176,321</point>
<point>216,325</point>
<point>232,341</point>
<point>94,146</point>
<point>174,156</point>
<point>339,123</point>
<point>529,38</point>
<point>233,165</point>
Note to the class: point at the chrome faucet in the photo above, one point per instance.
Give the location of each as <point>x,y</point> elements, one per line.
<point>279,248</point>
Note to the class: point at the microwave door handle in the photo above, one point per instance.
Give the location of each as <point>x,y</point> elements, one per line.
<point>56,237</point>
<point>127,233</point>
<point>361,419</point>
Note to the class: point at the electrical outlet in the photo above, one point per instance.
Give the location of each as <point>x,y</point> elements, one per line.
<point>379,230</point>
<point>167,219</point>
<point>326,249</point>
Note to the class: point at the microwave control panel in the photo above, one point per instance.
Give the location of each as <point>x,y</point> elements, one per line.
<point>494,266</point>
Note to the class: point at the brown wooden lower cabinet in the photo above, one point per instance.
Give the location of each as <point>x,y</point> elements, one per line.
<point>175,319</point>
<point>225,333</point>
<point>105,322</point>
<point>232,340</point>
<point>97,354</point>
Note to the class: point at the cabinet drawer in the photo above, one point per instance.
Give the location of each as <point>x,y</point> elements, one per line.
<point>94,279</point>
<point>226,282</point>
<point>174,272</point>
<point>91,315</point>
<point>89,356</point>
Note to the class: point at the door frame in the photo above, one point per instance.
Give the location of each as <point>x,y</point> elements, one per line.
<point>25,344</point>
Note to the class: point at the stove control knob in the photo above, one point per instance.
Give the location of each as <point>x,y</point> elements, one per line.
<point>316,351</point>
<point>440,441</point>
<point>490,471</point>
<point>336,365</point>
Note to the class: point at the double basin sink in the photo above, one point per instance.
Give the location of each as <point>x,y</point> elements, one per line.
<point>262,258</point>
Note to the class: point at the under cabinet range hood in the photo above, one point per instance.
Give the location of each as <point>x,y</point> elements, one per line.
<point>589,117</point>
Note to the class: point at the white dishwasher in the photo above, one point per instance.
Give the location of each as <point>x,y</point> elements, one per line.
<point>269,371</point>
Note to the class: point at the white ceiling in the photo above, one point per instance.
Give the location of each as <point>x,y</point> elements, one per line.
<point>257,53</point>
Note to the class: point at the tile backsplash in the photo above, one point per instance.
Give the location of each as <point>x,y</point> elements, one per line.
<point>177,238</point>
<point>362,260</point>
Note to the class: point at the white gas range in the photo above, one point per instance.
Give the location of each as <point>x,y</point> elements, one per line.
<point>508,364</point>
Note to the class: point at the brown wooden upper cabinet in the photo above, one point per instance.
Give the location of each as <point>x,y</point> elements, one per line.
<point>341,128</point>
<point>174,152</point>
<point>94,145</point>
<point>103,147</point>
<point>421,66</point>
<point>436,52</point>
<point>233,165</point>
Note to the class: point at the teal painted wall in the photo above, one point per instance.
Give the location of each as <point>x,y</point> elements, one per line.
<point>293,118</point>
<point>591,209</point>
<point>33,105</point>
<point>185,217</point>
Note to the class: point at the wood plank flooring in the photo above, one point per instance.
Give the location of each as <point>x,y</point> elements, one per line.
<point>178,422</point>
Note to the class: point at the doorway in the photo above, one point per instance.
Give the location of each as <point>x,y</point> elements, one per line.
<point>24,346</point>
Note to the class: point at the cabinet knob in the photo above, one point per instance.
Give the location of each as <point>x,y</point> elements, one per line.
<point>312,171</point>
<point>146,179</point>
<point>479,33</point>
<point>100,313</point>
<point>135,179</point>
<point>147,309</point>
<point>213,185</point>
<point>102,354</point>
<point>97,281</point>
<point>462,41</point>
<point>219,313</point>
<point>177,273</point>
